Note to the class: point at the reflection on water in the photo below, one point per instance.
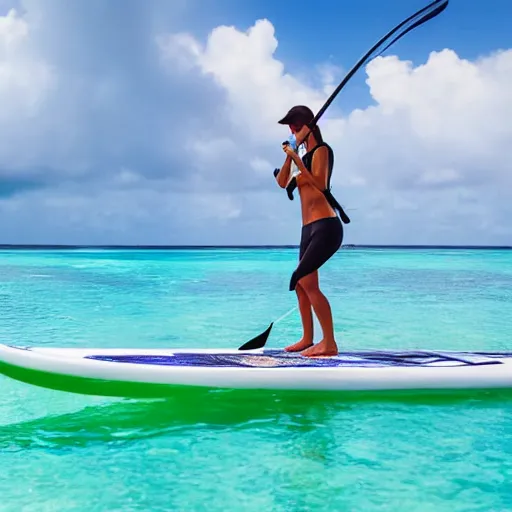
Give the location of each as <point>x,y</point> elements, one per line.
<point>279,413</point>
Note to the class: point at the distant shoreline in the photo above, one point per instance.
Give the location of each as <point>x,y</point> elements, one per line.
<point>35,247</point>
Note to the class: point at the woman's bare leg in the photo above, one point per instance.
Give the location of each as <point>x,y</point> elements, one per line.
<point>327,346</point>
<point>306,315</point>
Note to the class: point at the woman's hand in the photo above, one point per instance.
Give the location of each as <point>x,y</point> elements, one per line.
<point>287,148</point>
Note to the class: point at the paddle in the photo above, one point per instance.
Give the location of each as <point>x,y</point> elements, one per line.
<point>418,18</point>
<point>427,13</point>
<point>258,341</point>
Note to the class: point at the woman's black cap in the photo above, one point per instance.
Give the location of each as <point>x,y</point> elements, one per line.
<point>300,114</point>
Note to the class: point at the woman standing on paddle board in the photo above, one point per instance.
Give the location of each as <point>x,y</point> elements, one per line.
<point>322,230</point>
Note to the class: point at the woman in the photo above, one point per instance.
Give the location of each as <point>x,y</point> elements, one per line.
<point>322,231</point>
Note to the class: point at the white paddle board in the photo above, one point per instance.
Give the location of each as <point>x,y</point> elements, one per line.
<point>161,372</point>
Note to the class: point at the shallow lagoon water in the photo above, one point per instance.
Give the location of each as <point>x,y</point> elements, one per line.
<point>253,451</point>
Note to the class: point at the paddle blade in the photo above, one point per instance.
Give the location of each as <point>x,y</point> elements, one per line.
<point>258,341</point>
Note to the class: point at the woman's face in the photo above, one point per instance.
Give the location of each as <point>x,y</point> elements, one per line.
<point>295,128</point>
<point>300,131</point>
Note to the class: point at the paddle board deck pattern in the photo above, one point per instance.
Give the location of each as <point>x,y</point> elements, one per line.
<point>278,358</point>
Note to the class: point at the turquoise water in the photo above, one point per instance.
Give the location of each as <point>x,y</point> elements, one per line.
<point>248,451</point>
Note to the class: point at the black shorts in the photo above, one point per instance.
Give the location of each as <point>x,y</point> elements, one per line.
<point>320,239</point>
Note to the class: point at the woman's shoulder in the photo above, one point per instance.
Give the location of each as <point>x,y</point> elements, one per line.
<point>323,147</point>
<point>319,146</point>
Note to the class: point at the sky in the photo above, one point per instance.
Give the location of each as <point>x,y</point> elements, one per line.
<point>155,123</point>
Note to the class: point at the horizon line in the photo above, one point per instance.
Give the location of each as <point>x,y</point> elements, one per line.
<point>286,246</point>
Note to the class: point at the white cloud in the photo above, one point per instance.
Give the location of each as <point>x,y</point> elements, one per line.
<point>132,149</point>
<point>259,91</point>
<point>25,80</point>
<point>436,134</point>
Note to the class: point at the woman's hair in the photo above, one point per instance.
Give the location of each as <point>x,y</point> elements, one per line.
<point>317,134</point>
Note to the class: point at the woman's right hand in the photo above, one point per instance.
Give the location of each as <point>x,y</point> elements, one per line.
<point>287,148</point>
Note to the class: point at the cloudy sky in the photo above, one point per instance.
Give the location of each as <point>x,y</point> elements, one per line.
<point>135,122</point>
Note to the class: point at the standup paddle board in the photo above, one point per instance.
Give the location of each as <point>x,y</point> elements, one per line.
<point>161,372</point>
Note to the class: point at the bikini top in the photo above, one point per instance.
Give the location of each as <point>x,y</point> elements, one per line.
<point>307,160</point>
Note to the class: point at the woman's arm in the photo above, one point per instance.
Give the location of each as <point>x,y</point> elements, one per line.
<point>283,176</point>
<point>319,169</point>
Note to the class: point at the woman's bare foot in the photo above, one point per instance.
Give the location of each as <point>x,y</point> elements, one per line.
<point>299,346</point>
<point>322,348</point>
